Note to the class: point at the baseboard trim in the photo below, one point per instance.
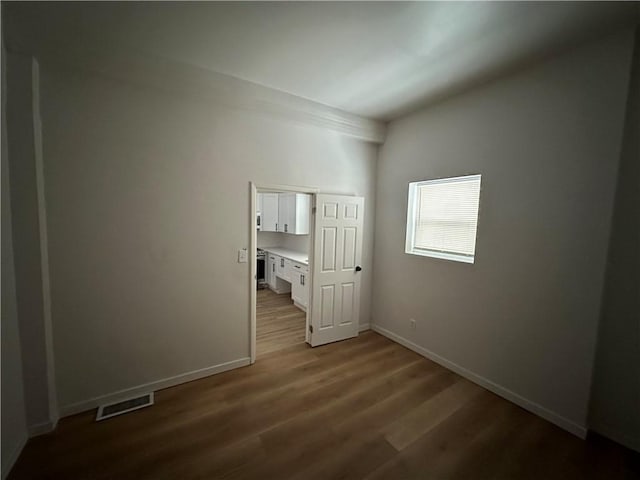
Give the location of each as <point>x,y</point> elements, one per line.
<point>615,435</point>
<point>363,327</point>
<point>533,407</point>
<point>42,428</point>
<point>120,395</point>
<point>11,460</point>
<point>301,307</point>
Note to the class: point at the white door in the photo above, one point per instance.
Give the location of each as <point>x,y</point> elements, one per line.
<point>335,295</point>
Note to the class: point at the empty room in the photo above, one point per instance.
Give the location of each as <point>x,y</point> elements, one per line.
<point>318,240</point>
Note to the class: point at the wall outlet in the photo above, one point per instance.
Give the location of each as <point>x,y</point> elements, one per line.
<point>412,322</point>
<point>242,255</point>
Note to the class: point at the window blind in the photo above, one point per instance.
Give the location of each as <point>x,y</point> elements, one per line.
<point>445,215</point>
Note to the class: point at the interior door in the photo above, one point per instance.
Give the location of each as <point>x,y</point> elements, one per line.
<point>335,294</point>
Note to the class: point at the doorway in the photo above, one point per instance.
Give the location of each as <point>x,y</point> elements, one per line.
<point>281,246</point>
<point>313,264</point>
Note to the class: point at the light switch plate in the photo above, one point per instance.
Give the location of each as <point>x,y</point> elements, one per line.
<point>242,255</point>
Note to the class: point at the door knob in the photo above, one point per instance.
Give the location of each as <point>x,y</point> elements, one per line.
<point>358,268</point>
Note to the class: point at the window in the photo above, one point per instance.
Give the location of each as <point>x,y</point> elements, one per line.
<point>442,218</point>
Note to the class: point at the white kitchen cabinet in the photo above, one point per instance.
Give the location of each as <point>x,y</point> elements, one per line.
<point>283,268</point>
<point>279,266</point>
<point>284,212</point>
<point>293,213</point>
<point>284,199</point>
<point>299,284</point>
<point>259,198</point>
<point>269,211</point>
<point>271,271</point>
<point>287,270</point>
<point>277,279</point>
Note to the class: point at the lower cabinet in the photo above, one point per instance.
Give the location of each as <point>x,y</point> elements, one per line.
<point>278,277</point>
<point>284,275</point>
<point>271,271</point>
<point>299,284</point>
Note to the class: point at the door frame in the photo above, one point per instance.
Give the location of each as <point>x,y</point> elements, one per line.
<point>253,245</point>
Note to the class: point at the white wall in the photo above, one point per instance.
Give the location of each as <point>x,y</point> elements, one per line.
<point>269,239</point>
<point>148,202</point>
<point>14,427</point>
<point>615,401</point>
<point>524,316</point>
<point>299,243</point>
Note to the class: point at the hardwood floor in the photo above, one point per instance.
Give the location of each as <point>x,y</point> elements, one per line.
<point>362,408</point>
<point>279,323</point>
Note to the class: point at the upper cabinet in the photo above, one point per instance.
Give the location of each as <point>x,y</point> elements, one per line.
<point>285,212</point>
<point>293,213</point>
<point>268,202</point>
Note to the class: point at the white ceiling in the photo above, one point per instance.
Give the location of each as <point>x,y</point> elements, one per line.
<point>375,59</point>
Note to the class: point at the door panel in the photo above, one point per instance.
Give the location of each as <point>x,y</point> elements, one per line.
<point>349,250</point>
<point>348,292</point>
<point>327,307</point>
<point>351,211</point>
<point>335,291</point>
<point>329,249</point>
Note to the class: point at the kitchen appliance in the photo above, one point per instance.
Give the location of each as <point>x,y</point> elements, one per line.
<point>261,260</point>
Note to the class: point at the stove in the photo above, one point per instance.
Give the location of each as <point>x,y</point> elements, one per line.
<point>261,261</point>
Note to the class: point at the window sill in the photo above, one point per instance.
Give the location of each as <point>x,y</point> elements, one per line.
<point>455,257</point>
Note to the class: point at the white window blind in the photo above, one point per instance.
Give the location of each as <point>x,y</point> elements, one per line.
<point>443,218</point>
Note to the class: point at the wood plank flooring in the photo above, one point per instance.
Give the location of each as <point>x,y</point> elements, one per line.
<point>365,408</point>
<point>279,324</point>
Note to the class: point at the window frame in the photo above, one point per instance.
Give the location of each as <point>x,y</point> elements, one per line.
<point>412,220</point>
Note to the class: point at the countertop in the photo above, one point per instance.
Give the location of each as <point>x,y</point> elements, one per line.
<point>300,257</point>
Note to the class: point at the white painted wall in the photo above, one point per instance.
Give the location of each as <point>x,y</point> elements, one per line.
<point>13,421</point>
<point>523,317</point>
<point>148,202</point>
<point>269,239</point>
<point>615,401</point>
<point>299,243</point>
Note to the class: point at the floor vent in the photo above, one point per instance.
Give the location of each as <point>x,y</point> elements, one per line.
<point>125,406</point>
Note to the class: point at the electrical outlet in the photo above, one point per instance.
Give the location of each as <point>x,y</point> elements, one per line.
<point>412,322</point>
<point>242,255</point>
